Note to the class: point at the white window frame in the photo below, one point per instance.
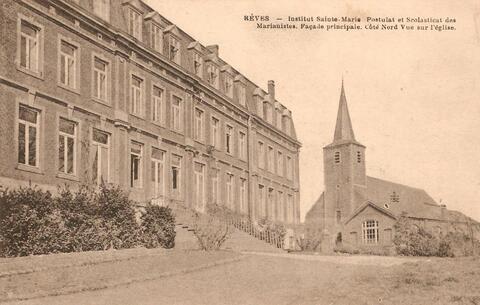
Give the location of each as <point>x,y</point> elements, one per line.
<point>35,69</point>
<point>199,126</point>
<point>26,144</point>
<point>199,176</point>
<point>100,148</point>
<point>229,139</point>
<point>158,105</point>
<point>96,77</point>
<point>370,231</point>
<point>139,156</point>
<point>155,164</point>
<point>135,23</point>
<point>137,101</point>
<point>64,136</point>
<point>280,164</point>
<point>74,83</point>
<point>280,206</point>
<point>213,75</point>
<point>156,37</point>
<point>243,195</point>
<point>177,192</point>
<point>261,201</point>
<point>289,167</point>
<point>271,159</point>
<point>215,132</point>
<point>242,145</point>
<point>177,113</point>
<point>215,186</point>
<point>229,189</point>
<point>261,154</point>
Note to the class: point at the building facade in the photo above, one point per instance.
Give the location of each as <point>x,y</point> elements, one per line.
<point>100,91</point>
<point>361,211</point>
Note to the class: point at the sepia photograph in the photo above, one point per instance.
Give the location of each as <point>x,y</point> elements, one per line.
<point>244,152</point>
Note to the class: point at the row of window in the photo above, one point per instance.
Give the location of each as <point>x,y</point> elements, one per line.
<point>337,157</point>
<point>276,206</point>
<point>266,160</point>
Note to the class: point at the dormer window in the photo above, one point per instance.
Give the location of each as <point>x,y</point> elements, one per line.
<point>337,157</point>
<point>134,23</point>
<point>101,8</point>
<point>228,85</point>
<point>174,50</point>
<point>212,75</point>
<point>241,95</point>
<point>197,64</point>
<point>156,38</point>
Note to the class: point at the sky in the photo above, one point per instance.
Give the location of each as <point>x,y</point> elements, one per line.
<point>414,97</point>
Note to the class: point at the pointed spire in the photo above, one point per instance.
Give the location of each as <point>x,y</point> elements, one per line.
<point>343,128</point>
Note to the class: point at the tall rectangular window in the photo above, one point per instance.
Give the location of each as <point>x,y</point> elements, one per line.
<point>261,201</point>
<point>212,75</point>
<point>290,209</point>
<point>177,114</point>
<point>134,23</point>
<point>197,64</point>
<point>176,165</point>
<point>271,159</point>
<point>215,132</point>
<point>158,172</point>
<point>243,195</point>
<point>261,155</point>
<point>271,203</point>
<point>136,155</point>
<point>370,232</point>
<point>215,186</point>
<point>158,112</point>
<point>199,171</point>
<point>136,95</point>
<point>229,139</point>
<point>280,170</point>
<point>174,50</point>
<point>28,136</point>
<point>101,8</point>
<point>67,134</point>
<point>100,79</point>
<point>156,38</point>
<point>101,156</point>
<point>29,46</point>
<point>199,125</point>
<point>280,212</point>
<point>242,145</point>
<point>228,86</point>
<point>289,168</point>
<point>229,192</point>
<point>241,94</point>
<point>68,64</point>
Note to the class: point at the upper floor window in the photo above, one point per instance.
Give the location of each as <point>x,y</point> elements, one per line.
<point>136,166</point>
<point>135,23</point>
<point>29,46</point>
<point>229,139</point>
<point>242,145</point>
<point>199,125</point>
<point>197,64</point>
<point>156,38</point>
<point>28,136</point>
<point>241,94</point>
<point>228,85</point>
<point>337,157</point>
<point>359,157</point>
<point>101,160</point>
<point>66,146</point>
<point>215,132</point>
<point>136,95</point>
<point>289,167</point>
<point>100,79</point>
<point>212,72</point>
<point>177,114</point>
<point>271,159</point>
<point>174,50</point>
<point>280,170</point>
<point>158,105</point>
<point>101,8</point>
<point>370,232</point>
<point>261,155</point>
<point>68,64</point>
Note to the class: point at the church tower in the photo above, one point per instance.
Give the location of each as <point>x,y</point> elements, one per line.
<point>344,170</point>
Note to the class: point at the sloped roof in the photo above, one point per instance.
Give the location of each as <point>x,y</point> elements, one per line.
<point>343,127</point>
<point>374,206</point>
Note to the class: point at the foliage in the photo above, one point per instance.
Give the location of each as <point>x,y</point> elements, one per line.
<point>309,242</point>
<point>278,229</point>
<point>212,229</point>
<point>158,227</point>
<point>33,221</point>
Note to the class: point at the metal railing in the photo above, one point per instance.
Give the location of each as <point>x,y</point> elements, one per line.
<point>257,231</point>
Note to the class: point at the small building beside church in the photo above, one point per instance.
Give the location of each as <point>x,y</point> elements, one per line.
<point>361,211</point>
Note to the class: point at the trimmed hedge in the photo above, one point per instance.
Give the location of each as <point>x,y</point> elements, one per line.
<point>33,221</point>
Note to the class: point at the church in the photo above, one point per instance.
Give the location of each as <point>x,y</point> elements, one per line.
<point>361,211</point>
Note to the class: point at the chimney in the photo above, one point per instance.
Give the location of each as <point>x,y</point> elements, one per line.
<point>213,48</point>
<point>271,89</point>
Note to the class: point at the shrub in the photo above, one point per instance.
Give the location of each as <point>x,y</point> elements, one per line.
<point>346,248</point>
<point>310,242</point>
<point>158,227</point>
<point>212,229</point>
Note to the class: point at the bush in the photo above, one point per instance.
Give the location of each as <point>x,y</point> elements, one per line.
<point>158,227</point>
<point>310,242</point>
<point>34,222</point>
<point>212,229</point>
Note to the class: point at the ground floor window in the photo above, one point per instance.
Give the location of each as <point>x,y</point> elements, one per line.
<point>370,232</point>
<point>199,186</point>
<point>136,152</point>
<point>157,172</point>
<point>101,156</point>
<point>176,174</point>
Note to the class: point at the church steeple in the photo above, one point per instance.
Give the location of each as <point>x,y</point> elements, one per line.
<point>343,128</point>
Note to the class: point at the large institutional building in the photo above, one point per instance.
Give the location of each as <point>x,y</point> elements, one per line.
<point>96,91</point>
<point>361,211</point>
